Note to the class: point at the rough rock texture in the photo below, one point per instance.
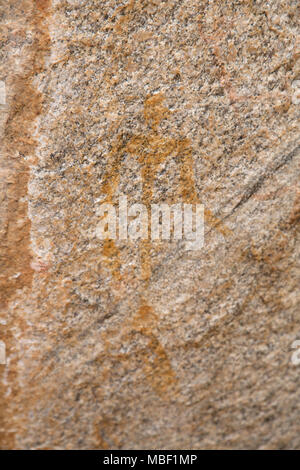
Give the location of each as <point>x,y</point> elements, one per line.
<point>146,345</point>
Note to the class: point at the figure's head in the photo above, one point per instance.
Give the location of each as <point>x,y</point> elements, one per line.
<point>154,110</point>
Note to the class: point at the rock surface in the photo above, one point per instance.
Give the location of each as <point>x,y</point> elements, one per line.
<point>122,345</point>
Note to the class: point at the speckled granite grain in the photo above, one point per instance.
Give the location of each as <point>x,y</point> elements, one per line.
<point>114,345</point>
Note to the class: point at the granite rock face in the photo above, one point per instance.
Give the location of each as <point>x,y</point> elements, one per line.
<point>145,345</point>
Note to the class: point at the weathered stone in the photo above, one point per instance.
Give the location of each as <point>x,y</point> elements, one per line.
<point>119,344</point>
